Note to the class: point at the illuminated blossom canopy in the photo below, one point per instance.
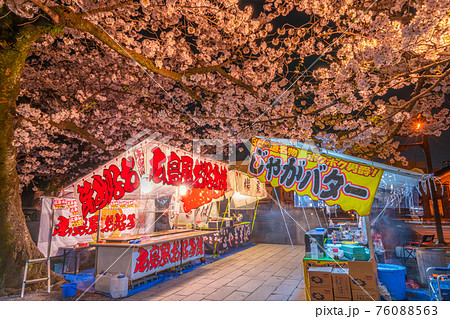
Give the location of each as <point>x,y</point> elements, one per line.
<point>107,70</point>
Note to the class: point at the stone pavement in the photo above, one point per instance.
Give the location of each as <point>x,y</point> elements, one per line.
<point>262,272</point>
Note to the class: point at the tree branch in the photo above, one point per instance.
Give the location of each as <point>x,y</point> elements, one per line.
<point>47,10</point>
<point>70,126</point>
<point>111,7</point>
<point>416,71</point>
<point>76,21</point>
<point>419,96</point>
<point>236,81</point>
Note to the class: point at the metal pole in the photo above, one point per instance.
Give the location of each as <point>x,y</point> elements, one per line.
<point>254,216</point>
<point>437,214</point>
<point>366,221</point>
<point>99,212</point>
<point>49,248</point>
<point>49,245</point>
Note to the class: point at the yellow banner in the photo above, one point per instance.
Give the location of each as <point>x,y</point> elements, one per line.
<point>336,181</point>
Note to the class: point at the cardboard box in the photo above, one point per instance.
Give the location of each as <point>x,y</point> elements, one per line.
<point>341,283</point>
<point>367,295</point>
<point>320,277</point>
<point>321,293</point>
<point>363,274</point>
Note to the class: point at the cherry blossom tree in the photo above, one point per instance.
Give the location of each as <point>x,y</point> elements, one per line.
<point>80,77</point>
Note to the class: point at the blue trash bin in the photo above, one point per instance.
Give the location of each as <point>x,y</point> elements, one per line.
<point>394,278</point>
<point>69,290</point>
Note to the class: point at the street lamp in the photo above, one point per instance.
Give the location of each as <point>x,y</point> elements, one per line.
<point>425,145</point>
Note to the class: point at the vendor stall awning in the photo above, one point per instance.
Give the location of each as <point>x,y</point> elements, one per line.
<point>337,179</point>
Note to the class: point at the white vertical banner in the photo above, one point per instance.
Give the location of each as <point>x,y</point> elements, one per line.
<point>45,226</point>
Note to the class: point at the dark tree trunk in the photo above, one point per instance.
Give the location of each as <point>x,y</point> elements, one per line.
<point>16,244</point>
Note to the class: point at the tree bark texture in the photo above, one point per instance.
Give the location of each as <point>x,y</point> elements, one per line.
<point>16,245</point>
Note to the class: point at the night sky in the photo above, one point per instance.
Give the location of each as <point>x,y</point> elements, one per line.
<point>439,147</point>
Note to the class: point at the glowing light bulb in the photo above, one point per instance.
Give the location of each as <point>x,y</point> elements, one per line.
<point>183,190</point>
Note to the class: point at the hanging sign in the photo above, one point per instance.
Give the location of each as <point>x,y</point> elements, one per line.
<point>247,186</point>
<point>114,182</point>
<point>205,180</point>
<point>196,198</point>
<point>115,218</point>
<point>121,217</point>
<point>336,181</point>
<point>172,168</point>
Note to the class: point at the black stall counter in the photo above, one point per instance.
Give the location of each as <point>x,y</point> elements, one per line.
<point>228,237</point>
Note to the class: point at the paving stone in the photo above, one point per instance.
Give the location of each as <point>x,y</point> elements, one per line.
<point>173,297</point>
<point>277,297</point>
<point>239,281</point>
<point>251,285</point>
<point>296,274</point>
<point>220,282</point>
<point>190,289</point>
<point>205,281</point>
<point>285,290</point>
<point>221,293</point>
<point>261,294</point>
<point>300,296</point>
<point>297,293</point>
<point>290,282</point>
<point>206,290</point>
<point>134,298</point>
<point>282,272</point>
<point>237,296</point>
<point>266,274</point>
<point>167,291</point>
<point>234,274</point>
<point>274,281</point>
<point>262,272</point>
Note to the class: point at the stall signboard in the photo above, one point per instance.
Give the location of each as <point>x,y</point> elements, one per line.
<point>336,181</point>
<point>151,259</point>
<point>158,164</point>
<point>204,179</point>
<point>227,238</point>
<point>196,198</point>
<point>172,167</point>
<point>113,183</point>
<point>244,185</point>
<point>70,228</point>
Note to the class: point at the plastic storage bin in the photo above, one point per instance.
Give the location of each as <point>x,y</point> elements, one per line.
<point>119,286</point>
<point>393,277</point>
<point>103,282</point>
<point>69,290</point>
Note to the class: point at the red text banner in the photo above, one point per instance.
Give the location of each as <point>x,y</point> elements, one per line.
<point>99,190</point>
<point>115,218</point>
<point>121,217</point>
<point>176,169</point>
<point>148,260</point>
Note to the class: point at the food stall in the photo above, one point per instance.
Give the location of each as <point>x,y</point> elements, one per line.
<point>222,219</point>
<point>337,252</point>
<point>149,254</point>
<point>145,211</point>
<point>128,209</point>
